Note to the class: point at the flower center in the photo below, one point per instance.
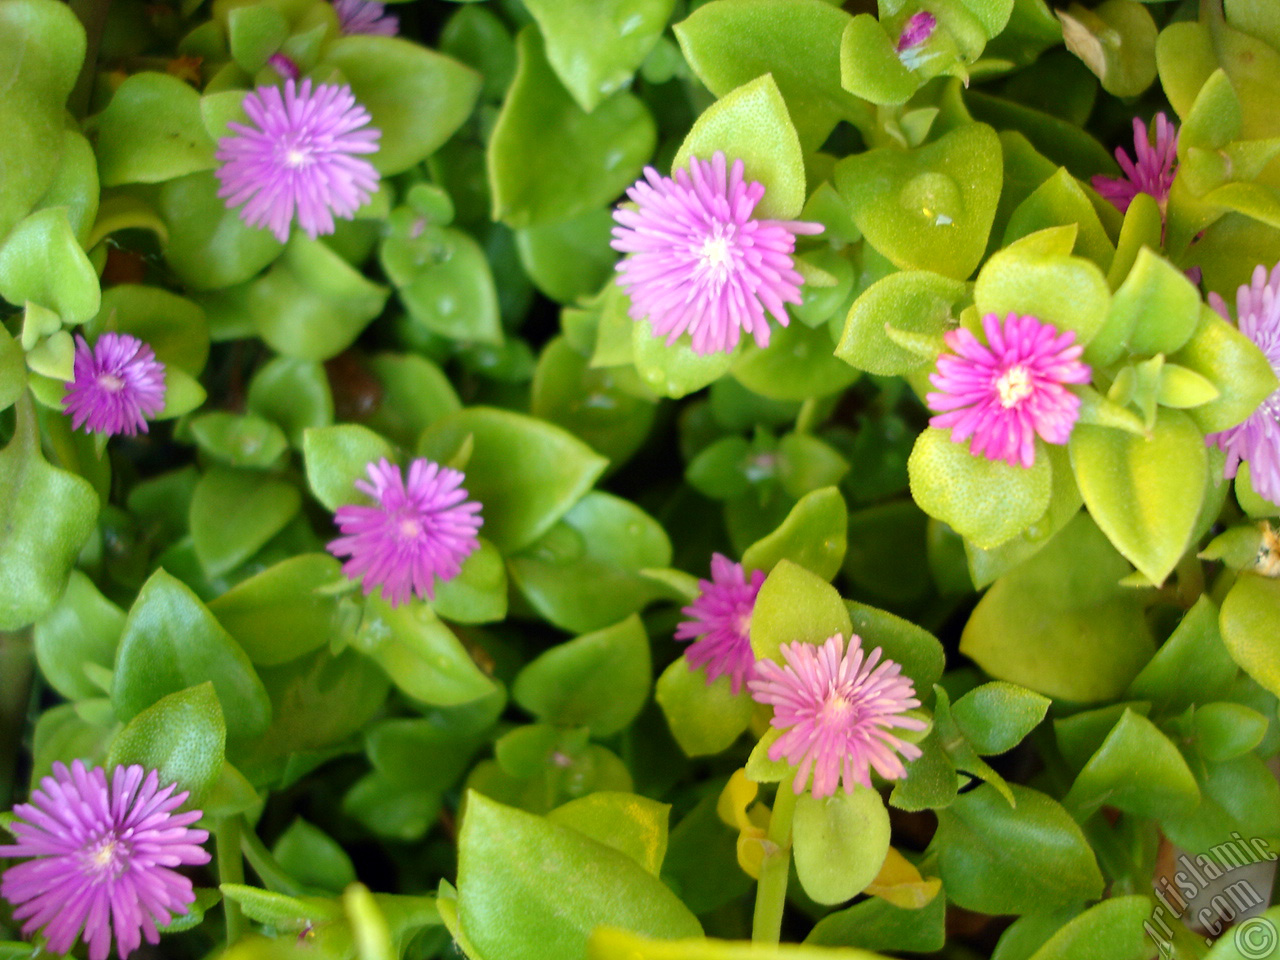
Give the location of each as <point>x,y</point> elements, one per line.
<point>837,710</point>
<point>110,382</point>
<point>297,155</point>
<point>1014,386</point>
<point>108,857</point>
<point>716,255</point>
<point>409,528</point>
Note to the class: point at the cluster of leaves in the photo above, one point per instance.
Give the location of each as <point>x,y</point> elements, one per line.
<point>500,763</point>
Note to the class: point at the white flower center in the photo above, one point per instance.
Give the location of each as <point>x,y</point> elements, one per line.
<point>1014,386</point>
<point>110,382</point>
<point>107,857</point>
<point>836,710</point>
<point>296,157</point>
<point>410,528</point>
<point>716,256</point>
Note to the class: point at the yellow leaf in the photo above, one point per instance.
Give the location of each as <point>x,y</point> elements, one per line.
<point>900,883</point>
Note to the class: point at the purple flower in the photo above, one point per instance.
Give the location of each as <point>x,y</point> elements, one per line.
<point>1004,393</point>
<point>418,533</point>
<point>115,386</point>
<point>917,30</point>
<point>837,710</point>
<point>285,66</point>
<point>1152,173</point>
<point>1257,440</point>
<point>103,858</point>
<point>700,262</point>
<point>721,616</point>
<point>365,16</point>
<point>299,156</point>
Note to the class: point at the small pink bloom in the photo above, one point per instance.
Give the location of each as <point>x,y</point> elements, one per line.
<point>1006,391</point>
<point>365,16</point>
<point>721,617</point>
<point>300,158</point>
<point>917,30</point>
<point>837,709</point>
<point>700,262</point>
<point>102,858</point>
<point>1257,440</point>
<point>1152,173</point>
<point>284,66</point>
<point>418,532</point>
<point>115,387</point>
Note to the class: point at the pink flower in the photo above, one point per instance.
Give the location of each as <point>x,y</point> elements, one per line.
<point>721,616</point>
<point>1257,440</point>
<point>115,387</point>
<point>917,30</point>
<point>699,262</point>
<point>1004,393</point>
<point>299,157</point>
<point>365,16</point>
<point>837,711</point>
<point>418,533</point>
<point>1153,173</point>
<point>103,858</point>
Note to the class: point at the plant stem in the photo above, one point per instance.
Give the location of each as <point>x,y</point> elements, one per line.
<point>230,870</point>
<point>771,893</point>
<point>266,865</point>
<point>16,659</point>
<point>93,14</point>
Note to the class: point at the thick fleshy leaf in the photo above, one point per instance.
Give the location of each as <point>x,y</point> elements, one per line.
<point>625,821</point>
<point>1137,769</point>
<point>182,735</point>
<point>81,630</point>
<point>445,282</point>
<point>813,536</point>
<point>548,159</point>
<point>1117,41</point>
<point>1069,292</point>
<point>336,457</point>
<point>995,858</point>
<point>595,46</point>
<point>174,327</point>
<point>797,364</point>
<point>1192,666</point>
<point>1120,922</point>
<point>209,247</point>
<point>152,131</point>
<point>795,606</point>
<point>41,262</point>
<point>913,301</point>
<point>526,473</point>
<point>171,642</point>
<point>1231,362</point>
<point>1250,616</point>
<point>704,718</point>
<point>994,717</point>
<point>839,842</point>
<point>512,906</point>
<point>234,512</point>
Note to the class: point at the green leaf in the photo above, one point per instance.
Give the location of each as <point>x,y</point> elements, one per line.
<point>839,842</point>
<point>13,370</point>
<point>595,47</point>
<point>930,208</point>
<point>876,924</point>
<point>1137,769</point>
<point>999,859</point>
<point>282,612</point>
<point>81,629</point>
<point>1157,306</point>
<point>391,78</point>
<point>705,719</point>
<point>75,186</point>
<point>171,642</point>
<point>795,606</point>
<point>174,327</point>
<point>336,457</point>
<point>673,370</point>
<point>635,825</point>
<point>294,394</point>
<point>1231,362</point>
<point>548,160</point>
<point>444,280</point>
<point>235,512</point>
<point>585,573</point>
<point>569,259</point>
<point>41,261</point>
<point>986,501</point>
<point>152,131</point>
<point>1191,666</point>
<point>511,906</point>
<point>1069,292</point>
<point>415,393</point>
<point>278,910</point>
<point>797,41</point>
<point>421,655</point>
<point>751,124</point>
<point>1144,492</point>
<point>478,594</point>
<point>182,736</point>
<point>1060,624</point>
<point>1247,938</point>
<point>1224,731</point>
<point>241,440</point>
<point>796,365</point>
<point>46,514</point>
<point>1117,41</point>
<point>915,648</point>
<point>254,33</point>
<point>931,780</point>
<point>1061,200</point>
<point>209,247</point>
<point>813,536</point>
<point>914,301</point>
<point>994,717</point>
<point>1249,621</point>
<point>869,64</point>
<point>527,473</point>
<point>1120,923</point>
<point>598,680</point>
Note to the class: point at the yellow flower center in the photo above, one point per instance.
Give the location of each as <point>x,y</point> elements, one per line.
<point>1014,386</point>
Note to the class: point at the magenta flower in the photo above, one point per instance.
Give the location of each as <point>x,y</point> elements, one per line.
<point>721,616</point>
<point>1152,173</point>
<point>418,533</point>
<point>285,66</point>
<point>1257,440</point>
<point>116,385</point>
<point>365,16</point>
<point>699,262</point>
<point>299,157</point>
<point>917,30</point>
<point>837,710</point>
<point>103,858</point>
<point>1004,393</point>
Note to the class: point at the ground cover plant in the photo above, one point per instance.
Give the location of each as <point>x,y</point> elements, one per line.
<point>639,479</point>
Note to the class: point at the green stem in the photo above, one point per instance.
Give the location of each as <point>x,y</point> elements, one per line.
<point>771,893</point>
<point>230,870</point>
<point>93,14</point>
<point>266,866</point>
<point>16,676</point>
